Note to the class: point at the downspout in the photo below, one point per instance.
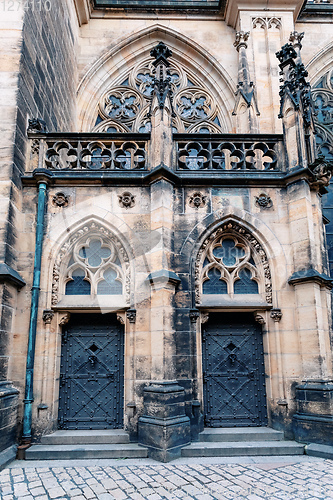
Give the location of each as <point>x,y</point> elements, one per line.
<point>28,397</point>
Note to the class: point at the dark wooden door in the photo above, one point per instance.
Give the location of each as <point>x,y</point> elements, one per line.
<point>233,371</point>
<point>92,373</point>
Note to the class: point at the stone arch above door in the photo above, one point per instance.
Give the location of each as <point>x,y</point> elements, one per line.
<point>111,70</point>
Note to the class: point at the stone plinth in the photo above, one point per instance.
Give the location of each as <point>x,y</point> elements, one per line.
<point>313,422</point>
<point>8,415</point>
<point>164,428</point>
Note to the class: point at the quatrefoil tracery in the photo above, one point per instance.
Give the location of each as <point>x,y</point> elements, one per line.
<point>229,267</point>
<point>94,268</point>
<point>125,107</point>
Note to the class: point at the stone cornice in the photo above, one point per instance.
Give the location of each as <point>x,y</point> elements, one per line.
<point>234,7</point>
<point>312,276</point>
<point>7,274</point>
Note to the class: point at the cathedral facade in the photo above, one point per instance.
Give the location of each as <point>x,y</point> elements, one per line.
<point>165,231</point>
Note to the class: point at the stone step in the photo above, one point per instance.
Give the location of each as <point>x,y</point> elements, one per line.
<point>109,436</point>
<point>85,451</point>
<point>241,449</point>
<point>240,434</point>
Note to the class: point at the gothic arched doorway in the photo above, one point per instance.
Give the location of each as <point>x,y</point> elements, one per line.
<point>91,394</point>
<point>233,371</point>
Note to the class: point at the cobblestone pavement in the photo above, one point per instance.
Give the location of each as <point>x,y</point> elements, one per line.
<point>304,479</point>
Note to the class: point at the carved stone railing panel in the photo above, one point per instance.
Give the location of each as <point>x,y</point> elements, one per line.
<point>93,153</point>
<point>230,153</point>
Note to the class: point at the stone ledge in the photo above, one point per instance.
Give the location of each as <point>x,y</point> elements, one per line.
<point>163,276</point>
<point>310,276</point>
<point>7,456</point>
<point>7,274</point>
<point>319,450</point>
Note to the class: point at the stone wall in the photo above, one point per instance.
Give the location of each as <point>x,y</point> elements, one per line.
<point>38,79</point>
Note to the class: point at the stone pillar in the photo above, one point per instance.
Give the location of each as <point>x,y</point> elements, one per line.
<point>163,428</point>
<point>246,108</point>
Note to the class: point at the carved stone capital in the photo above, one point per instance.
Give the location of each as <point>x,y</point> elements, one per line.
<point>131,315</point>
<point>65,319</point>
<point>194,315</point>
<point>276,314</point>
<point>241,39</point>
<point>48,316</point>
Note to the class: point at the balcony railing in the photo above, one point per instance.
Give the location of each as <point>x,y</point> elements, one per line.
<point>230,153</point>
<point>69,152</point>
<point>103,155</point>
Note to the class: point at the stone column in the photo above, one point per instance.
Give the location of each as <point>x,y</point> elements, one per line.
<point>246,108</point>
<point>163,428</point>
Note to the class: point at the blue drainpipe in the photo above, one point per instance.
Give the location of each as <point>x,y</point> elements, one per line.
<point>29,397</point>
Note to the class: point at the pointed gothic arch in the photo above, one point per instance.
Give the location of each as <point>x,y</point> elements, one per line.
<point>232,262</point>
<point>92,261</point>
<point>113,67</point>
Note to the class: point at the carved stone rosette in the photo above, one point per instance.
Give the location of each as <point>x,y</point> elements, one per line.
<point>197,200</point>
<point>264,201</point>
<point>126,200</point>
<point>60,200</point>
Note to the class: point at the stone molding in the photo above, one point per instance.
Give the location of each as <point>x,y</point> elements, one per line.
<point>8,274</point>
<point>235,8</point>
<point>163,276</point>
<point>83,11</point>
<point>310,276</point>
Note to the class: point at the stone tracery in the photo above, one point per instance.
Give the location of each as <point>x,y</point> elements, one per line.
<point>91,262</point>
<point>232,261</point>
<point>126,107</point>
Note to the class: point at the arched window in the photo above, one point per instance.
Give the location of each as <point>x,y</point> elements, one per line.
<point>231,263</point>
<point>92,263</point>
<point>94,268</point>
